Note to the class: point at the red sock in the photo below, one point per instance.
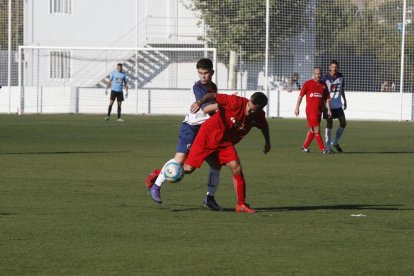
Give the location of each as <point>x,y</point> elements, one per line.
<point>318,139</point>
<point>309,138</point>
<point>240,187</point>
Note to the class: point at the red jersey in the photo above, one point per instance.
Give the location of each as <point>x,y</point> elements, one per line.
<point>230,124</point>
<point>316,95</point>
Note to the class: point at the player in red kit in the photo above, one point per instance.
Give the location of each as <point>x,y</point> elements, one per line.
<point>317,95</point>
<point>218,135</point>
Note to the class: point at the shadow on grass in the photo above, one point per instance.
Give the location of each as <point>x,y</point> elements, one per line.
<point>334,207</point>
<point>378,152</point>
<point>308,208</point>
<point>7,214</point>
<point>201,208</point>
<point>59,152</point>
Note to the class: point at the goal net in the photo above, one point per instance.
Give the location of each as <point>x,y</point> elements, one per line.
<point>74,79</point>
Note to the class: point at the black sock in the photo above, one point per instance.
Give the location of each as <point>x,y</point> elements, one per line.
<point>109,110</point>
<point>119,112</point>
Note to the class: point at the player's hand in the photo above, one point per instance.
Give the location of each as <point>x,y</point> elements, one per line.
<point>297,112</point>
<point>329,114</point>
<point>126,95</point>
<point>345,105</point>
<point>194,107</point>
<point>267,148</point>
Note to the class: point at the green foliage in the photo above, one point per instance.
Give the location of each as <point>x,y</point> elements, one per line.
<point>234,24</point>
<point>73,202</point>
<point>17,24</point>
<point>348,30</point>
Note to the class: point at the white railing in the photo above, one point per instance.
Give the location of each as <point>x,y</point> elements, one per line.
<point>160,101</point>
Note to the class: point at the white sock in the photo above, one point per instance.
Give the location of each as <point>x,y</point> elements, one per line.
<point>213,181</point>
<point>161,178</point>
<point>338,135</point>
<point>328,137</point>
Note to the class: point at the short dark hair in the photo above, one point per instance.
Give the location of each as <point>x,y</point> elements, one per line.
<point>205,63</point>
<point>259,99</point>
<point>119,64</point>
<point>334,61</point>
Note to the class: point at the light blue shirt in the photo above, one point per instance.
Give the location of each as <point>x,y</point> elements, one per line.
<point>118,80</point>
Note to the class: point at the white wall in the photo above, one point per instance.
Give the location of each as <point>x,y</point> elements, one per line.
<point>361,105</point>
<point>97,23</point>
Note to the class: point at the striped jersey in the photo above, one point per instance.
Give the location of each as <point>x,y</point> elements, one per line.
<point>336,88</point>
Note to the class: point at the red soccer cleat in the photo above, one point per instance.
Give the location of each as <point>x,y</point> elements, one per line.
<point>244,208</point>
<point>150,180</point>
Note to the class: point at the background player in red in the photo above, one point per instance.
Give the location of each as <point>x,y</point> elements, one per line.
<point>317,95</point>
<point>219,134</point>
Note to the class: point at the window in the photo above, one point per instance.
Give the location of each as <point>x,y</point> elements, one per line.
<point>59,65</point>
<point>60,6</point>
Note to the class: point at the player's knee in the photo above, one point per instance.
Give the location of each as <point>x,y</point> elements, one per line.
<point>343,124</point>
<point>235,167</point>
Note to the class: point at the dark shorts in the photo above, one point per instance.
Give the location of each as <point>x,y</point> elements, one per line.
<point>336,113</point>
<point>186,137</point>
<point>119,96</point>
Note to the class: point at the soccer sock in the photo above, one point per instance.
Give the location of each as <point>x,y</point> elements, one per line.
<point>240,187</point>
<point>338,135</point>
<point>309,138</point>
<point>161,178</point>
<point>328,136</point>
<point>318,139</point>
<point>119,112</point>
<point>213,181</point>
<point>109,110</point>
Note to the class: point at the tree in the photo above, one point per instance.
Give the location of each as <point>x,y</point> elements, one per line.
<point>235,24</point>
<point>17,24</point>
<point>366,31</point>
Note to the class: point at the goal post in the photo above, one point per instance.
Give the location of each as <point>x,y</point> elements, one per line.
<point>74,79</point>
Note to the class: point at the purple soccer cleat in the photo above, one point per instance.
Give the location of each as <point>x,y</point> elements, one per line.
<point>155,193</point>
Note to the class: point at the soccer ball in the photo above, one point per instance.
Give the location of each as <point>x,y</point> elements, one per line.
<point>173,172</point>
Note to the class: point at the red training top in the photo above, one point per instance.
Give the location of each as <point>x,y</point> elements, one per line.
<point>316,95</point>
<point>230,124</point>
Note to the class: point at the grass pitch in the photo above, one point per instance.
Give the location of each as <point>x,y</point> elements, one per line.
<point>73,202</point>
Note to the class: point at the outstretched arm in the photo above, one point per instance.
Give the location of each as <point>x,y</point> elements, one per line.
<point>208,97</point>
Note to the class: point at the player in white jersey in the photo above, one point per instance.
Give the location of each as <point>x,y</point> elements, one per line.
<point>188,131</point>
<point>336,84</point>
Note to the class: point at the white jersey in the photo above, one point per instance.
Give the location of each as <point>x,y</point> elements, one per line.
<point>197,92</point>
<point>336,89</point>
<point>196,118</point>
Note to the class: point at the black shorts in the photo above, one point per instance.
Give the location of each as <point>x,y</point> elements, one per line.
<point>118,95</point>
<point>336,113</point>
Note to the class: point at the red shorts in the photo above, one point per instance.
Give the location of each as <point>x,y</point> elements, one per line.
<point>222,155</point>
<point>313,119</point>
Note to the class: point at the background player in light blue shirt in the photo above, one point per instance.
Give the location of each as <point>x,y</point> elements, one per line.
<point>117,81</point>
